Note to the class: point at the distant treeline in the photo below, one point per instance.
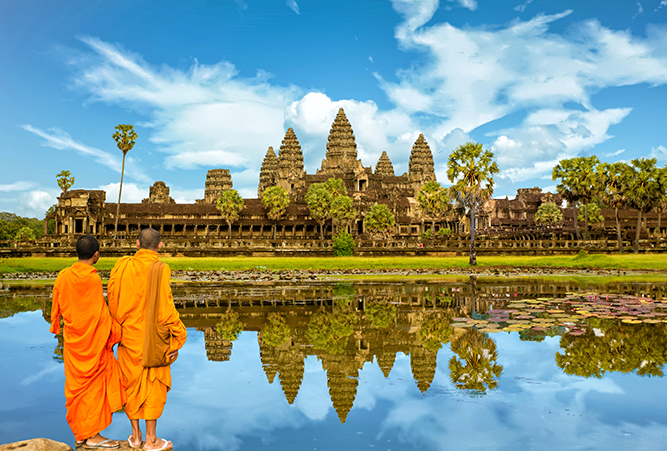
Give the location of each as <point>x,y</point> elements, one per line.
<point>13,227</point>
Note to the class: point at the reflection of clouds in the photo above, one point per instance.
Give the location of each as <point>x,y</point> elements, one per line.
<point>230,405</point>
<point>51,367</point>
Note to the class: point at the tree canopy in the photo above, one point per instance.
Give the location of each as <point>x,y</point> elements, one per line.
<point>380,221</point>
<point>64,179</point>
<point>230,204</point>
<point>434,202</point>
<point>275,200</point>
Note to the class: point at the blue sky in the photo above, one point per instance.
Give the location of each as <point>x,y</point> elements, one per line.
<point>214,84</point>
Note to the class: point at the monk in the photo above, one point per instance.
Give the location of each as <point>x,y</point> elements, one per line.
<point>146,387</point>
<point>93,382</point>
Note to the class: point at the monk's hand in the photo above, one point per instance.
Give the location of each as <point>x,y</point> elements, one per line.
<point>172,355</point>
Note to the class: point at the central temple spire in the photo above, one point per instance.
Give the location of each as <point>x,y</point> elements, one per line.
<point>341,147</point>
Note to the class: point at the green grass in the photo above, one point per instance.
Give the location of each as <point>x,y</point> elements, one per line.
<point>622,262</point>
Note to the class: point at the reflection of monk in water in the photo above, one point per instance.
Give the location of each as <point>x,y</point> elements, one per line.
<point>93,386</point>
<point>146,387</point>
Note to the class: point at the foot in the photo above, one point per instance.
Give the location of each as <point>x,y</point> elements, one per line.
<point>104,443</point>
<point>158,445</point>
<point>133,443</point>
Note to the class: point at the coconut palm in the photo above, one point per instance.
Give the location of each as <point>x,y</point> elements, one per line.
<point>125,137</point>
<point>471,170</point>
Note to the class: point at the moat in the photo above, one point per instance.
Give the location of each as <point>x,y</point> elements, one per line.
<point>392,364</point>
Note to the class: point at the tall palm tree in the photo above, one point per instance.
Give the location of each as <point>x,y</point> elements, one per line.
<point>585,170</point>
<point>645,187</point>
<point>229,204</point>
<point>568,188</point>
<point>275,200</point>
<point>612,181</point>
<point>125,136</point>
<point>471,169</point>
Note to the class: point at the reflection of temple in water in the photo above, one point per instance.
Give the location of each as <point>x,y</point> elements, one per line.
<point>416,302</point>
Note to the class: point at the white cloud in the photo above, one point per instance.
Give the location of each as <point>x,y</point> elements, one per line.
<point>59,139</point>
<point>132,194</point>
<point>662,4</point>
<point>33,204</point>
<point>660,153</point>
<point>522,8</point>
<point>17,186</point>
<point>293,5</point>
<point>613,154</point>
<point>640,10</point>
<point>469,4</point>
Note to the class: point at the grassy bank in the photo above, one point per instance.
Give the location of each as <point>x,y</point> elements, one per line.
<point>627,262</point>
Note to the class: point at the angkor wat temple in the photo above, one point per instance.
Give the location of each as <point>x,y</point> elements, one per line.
<point>86,211</point>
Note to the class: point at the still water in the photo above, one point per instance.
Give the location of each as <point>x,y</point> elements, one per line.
<point>493,364</point>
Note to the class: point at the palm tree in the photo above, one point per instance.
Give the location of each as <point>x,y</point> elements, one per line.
<point>612,181</point>
<point>125,136</point>
<point>646,184</point>
<point>65,182</point>
<point>476,367</point>
<point>548,214</point>
<point>275,200</point>
<point>380,221</point>
<point>471,170</point>
<point>568,188</point>
<point>319,200</point>
<point>230,204</point>
<point>585,174</point>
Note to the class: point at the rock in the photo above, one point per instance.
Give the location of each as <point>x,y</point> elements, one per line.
<point>36,444</point>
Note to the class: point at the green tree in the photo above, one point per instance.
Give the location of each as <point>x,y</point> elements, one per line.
<point>25,233</point>
<point>595,217</point>
<point>319,200</point>
<point>476,367</point>
<point>569,187</point>
<point>125,137</point>
<point>585,172</point>
<point>380,221</point>
<point>330,331</point>
<point>612,181</point>
<point>275,200</point>
<point>646,183</point>
<point>276,331</point>
<point>342,210</point>
<point>65,181</point>
<point>548,214</point>
<point>343,244</point>
<point>230,204</point>
<point>51,223</point>
<point>471,168</point>
<point>434,202</point>
<point>229,327</point>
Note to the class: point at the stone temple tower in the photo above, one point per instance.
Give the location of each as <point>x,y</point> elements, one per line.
<point>341,153</point>
<point>290,174</point>
<point>268,173</point>
<point>421,168</point>
<point>384,166</point>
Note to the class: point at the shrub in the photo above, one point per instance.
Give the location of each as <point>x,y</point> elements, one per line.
<point>425,235</point>
<point>343,244</point>
<point>445,231</point>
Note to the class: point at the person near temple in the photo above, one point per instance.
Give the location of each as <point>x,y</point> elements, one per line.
<point>93,383</point>
<point>146,386</point>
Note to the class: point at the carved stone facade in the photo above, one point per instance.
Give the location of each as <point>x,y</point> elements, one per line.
<point>217,181</point>
<point>267,175</point>
<point>159,194</point>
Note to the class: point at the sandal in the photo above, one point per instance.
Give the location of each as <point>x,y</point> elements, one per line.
<point>102,445</point>
<point>167,445</point>
<point>132,445</point>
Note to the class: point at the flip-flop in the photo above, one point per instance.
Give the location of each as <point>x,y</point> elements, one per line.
<point>129,442</point>
<point>167,445</point>
<point>100,445</point>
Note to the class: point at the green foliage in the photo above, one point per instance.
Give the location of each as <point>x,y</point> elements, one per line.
<point>275,200</point>
<point>64,180</point>
<point>276,331</point>
<point>548,214</point>
<point>343,244</point>
<point>474,366</point>
<point>444,231</point>
<point>434,201</point>
<point>379,222</point>
<point>330,331</point>
<point>336,187</point>
<point>342,210</point>
<point>25,233</point>
<point>425,235</point>
<point>19,304</point>
<point>13,227</point>
<point>380,314</point>
<point>433,333</point>
<point>319,200</point>
<point>582,254</point>
<point>230,204</point>
<point>471,169</point>
<point>625,348</point>
<point>229,327</point>
<point>595,217</point>
<point>125,137</point>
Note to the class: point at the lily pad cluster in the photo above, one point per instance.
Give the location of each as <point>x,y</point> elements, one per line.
<point>570,315</point>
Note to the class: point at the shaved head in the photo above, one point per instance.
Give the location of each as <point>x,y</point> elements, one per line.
<point>86,246</point>
<point>149,239</point>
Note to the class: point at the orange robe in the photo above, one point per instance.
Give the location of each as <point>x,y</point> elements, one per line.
<point>93,382</point>
<point>146,387</point>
